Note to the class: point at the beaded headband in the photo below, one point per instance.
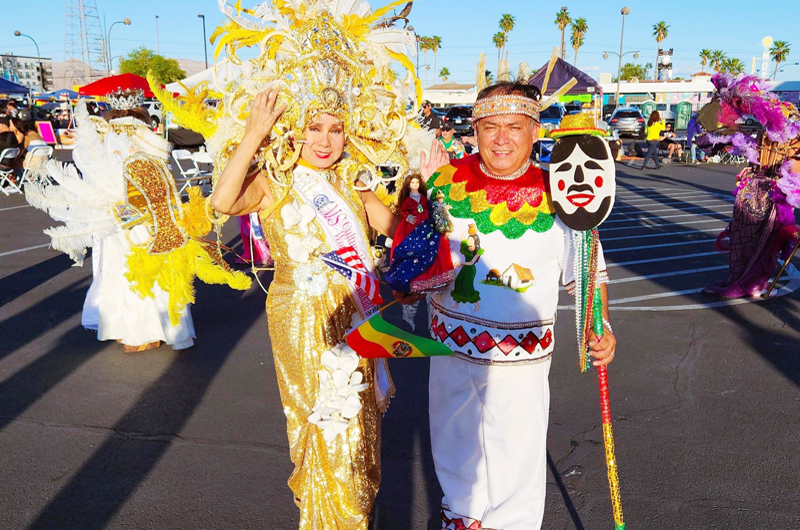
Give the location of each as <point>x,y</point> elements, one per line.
<point>126,99</point>
<point>504,105</point>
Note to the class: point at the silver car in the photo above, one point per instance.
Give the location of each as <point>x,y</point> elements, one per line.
<point>627,120</point>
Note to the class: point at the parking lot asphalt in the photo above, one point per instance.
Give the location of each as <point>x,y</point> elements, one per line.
<point>704,394</point>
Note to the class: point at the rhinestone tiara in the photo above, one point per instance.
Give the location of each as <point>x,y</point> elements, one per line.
<point>126,99</point>
<point>503,105</point>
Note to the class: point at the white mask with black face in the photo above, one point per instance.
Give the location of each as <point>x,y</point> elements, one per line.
<point>582,181</point>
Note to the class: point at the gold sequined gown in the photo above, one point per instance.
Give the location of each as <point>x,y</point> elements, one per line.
<point>334,483</point>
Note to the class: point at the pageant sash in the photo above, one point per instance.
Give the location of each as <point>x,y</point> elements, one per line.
<point>341,228</point>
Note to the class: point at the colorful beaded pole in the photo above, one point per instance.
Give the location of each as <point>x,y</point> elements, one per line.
<point>589,317</point>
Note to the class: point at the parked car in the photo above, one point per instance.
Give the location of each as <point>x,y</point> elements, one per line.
<point>628,120</point>
<point>550,118</point>
<point>608,110</point>
<point>573,107</point>
<point>153,108</point>
<point>461,118</point>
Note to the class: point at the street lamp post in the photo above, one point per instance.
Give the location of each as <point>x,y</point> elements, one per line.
<point>38,56</point>
<point>205,48</point>
<point>625,11</point>
<point>127,22</point>
<point>619,69</point>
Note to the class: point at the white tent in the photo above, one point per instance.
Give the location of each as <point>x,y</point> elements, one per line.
<point>226,72</point>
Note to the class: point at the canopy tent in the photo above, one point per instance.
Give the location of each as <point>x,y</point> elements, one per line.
<point>226,72</point>
<point>71,94</point>
<point>563,72</point>
<point>105,86</point>
<point>8,87</point>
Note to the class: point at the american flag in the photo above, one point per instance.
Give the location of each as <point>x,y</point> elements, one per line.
<point>347,262</point>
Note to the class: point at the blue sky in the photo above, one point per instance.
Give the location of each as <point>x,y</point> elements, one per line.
<point>465,26</point>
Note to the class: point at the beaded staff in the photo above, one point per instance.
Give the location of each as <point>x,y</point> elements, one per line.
<point>589,317</point>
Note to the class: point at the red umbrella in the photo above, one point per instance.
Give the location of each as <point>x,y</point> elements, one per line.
<point>105,86</point>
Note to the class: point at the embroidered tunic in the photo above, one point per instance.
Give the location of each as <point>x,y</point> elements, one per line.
<point>502,307</point>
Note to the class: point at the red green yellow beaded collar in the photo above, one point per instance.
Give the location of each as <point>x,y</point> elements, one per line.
<point>511,206</point>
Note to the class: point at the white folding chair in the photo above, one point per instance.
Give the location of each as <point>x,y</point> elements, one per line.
<point>7,158</point>
<point>35,160</point>
<point>189,173</point>
<point>205,166</point>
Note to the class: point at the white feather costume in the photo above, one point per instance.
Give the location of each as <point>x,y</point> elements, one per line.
<point>85,199</point>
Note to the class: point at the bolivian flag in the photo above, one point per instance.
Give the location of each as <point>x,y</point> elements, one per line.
<point>376,338</point>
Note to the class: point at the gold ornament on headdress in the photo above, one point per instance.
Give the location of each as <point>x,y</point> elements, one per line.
<point>324,56</point>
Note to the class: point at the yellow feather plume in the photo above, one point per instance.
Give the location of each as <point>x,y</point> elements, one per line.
<point>190,111</point>
<point>196,221</point>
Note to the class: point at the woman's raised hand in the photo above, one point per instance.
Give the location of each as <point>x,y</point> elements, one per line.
<point>436,159</point>
<point>263,114</point>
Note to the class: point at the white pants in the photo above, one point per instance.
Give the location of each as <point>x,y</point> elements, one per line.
<point>489,439</point>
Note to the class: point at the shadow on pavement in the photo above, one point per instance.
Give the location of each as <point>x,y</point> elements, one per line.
<point>144,434</point>
<point>19,283</point>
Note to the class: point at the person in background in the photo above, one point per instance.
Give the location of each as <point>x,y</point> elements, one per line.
<point>455,149</point>
<point>653,131</point>
<point>669,143</point>
<point>12,110</point>
<point>429,119</point>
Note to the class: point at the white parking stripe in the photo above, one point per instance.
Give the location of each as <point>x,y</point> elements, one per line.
<point>659,234</point>
<point>628,218</point>
<point>23,250</point>
<point>668,274</point>
<point>690,242</point>
<point>666,258</point>
<point>15,207</point>
<point>654,296</point>
<point>633,227</point>
<point>676,196</point>
<point>670,210</point>
<point>634,207</point>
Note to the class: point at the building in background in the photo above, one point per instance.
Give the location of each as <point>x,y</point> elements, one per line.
<point>24,70</point>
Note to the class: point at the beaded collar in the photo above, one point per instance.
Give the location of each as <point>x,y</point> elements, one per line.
<point>513,176</point>
<point>511,206</point>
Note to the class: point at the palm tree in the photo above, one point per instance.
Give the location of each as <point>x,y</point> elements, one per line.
<point>646,70</point>
<point>444,74</point>
<point>489,77</point>
<point>424,46</point>
<point>562,21</point>
<point>779,52</point>
<point>579,29</point>
<point>705,56</point>
<point>660,32</point>
<point>436,43</point>
<point>733,65</point>
<point>507,22</point>
<point>499,40</point>
<point>717,58</point>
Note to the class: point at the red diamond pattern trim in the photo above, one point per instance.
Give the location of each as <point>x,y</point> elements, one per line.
<point>530,342</point>
<point>484,342</point>
<point>547,340</point>
<point>459,336</point>
<point>507,344</point>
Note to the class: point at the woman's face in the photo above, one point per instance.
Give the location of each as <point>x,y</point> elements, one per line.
<point>471,243</point>
<point>413,185</point>
<point>324,141</point>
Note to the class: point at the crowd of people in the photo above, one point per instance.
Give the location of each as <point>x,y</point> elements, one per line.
<point>301,172</point>
<point>18,131</point>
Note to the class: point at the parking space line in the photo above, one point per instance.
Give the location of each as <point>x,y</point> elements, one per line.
<point>654,296</point>
<point>637,200</point>
<point>659,234</point>
<point>660,245</point>
<point>637,207</point>
<point>644,218</point>
<point>671,210</point>
<point>668,274</point>
<point>23,250</point>
<point>15,207</point>
<point>631,227</point>
<point>665,258</point>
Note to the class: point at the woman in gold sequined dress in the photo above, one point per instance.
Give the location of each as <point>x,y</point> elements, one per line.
<point>309,310</point>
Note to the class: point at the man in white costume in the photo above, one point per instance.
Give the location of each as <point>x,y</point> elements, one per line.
<point>489,403</point>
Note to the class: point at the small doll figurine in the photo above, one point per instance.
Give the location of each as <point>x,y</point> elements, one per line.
<point>420,259</point>
<point>441,217</point>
